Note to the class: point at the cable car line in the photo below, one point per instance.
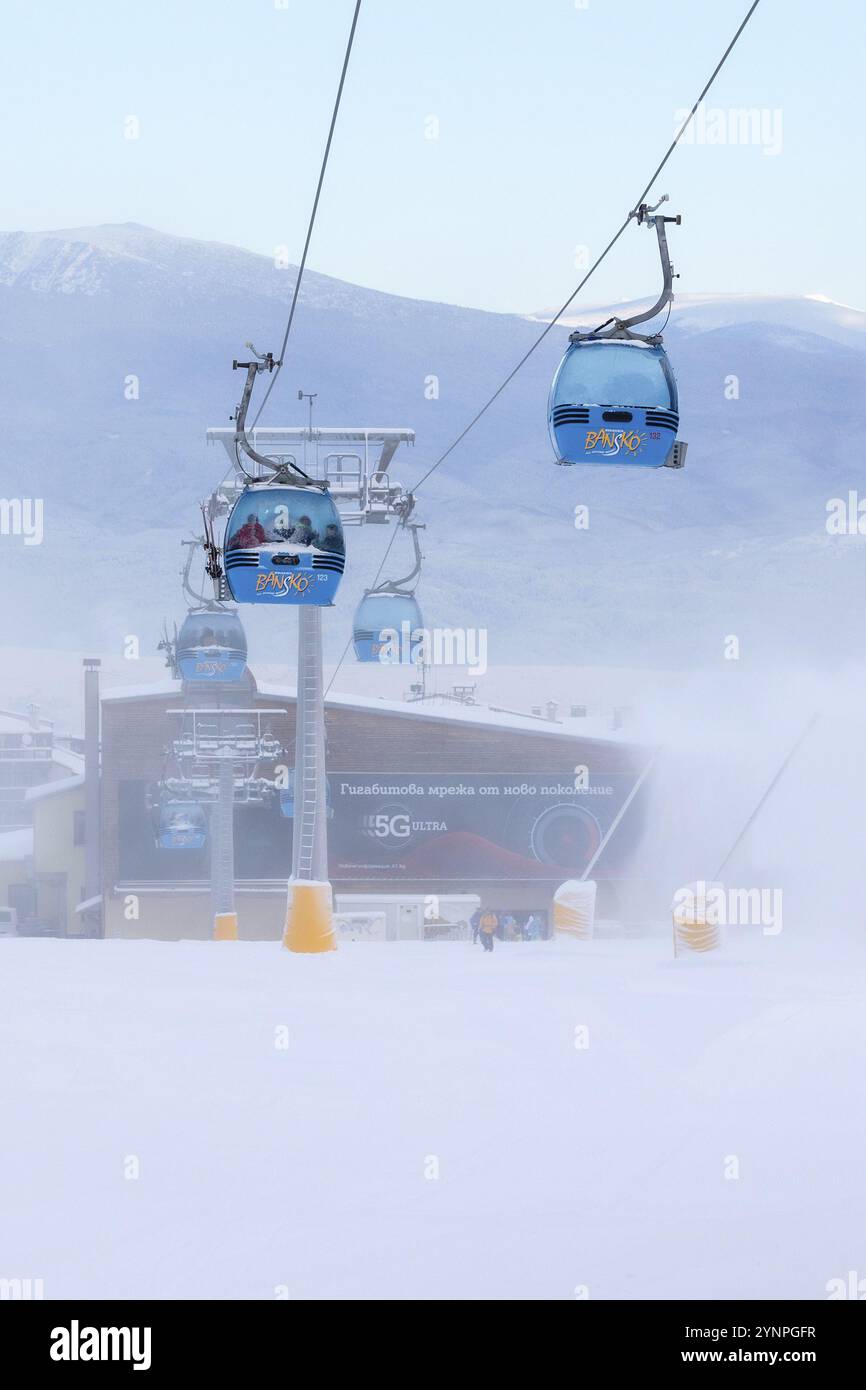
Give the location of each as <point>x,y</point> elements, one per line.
<point>610,245</point>
<point>302,533</point>
<point>637,211</point>
<point>312,221</point>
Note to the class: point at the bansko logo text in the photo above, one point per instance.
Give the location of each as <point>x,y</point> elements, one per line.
<point>283,583</point>
<point>77,1343</point>
<point>611,442</point>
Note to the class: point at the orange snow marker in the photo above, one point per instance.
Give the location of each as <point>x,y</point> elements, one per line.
<point>225,926</point>
<point>309,917</point>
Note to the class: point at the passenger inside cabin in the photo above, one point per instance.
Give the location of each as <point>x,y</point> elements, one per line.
<point>251,533</point>
<point>303,533</point>
<point>332,540</point>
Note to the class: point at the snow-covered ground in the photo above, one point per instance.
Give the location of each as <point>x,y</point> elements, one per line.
<point>431,1129</point>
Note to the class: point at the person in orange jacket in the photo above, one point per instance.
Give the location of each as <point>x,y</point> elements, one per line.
<point>488,924</point>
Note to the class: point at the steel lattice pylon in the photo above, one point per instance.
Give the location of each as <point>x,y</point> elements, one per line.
<point>310,841</point>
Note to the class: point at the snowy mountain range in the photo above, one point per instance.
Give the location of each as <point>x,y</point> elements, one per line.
<point>695,313</point>
<point>772,404</point>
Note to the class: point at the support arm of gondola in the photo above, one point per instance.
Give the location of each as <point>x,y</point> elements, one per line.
<point>645,215</point>
<point>396,586</point>
<point>667,293</point>
<point>263,362</point>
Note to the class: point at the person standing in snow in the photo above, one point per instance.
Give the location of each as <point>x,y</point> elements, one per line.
<point>488,924</point>
<point>475,923</point>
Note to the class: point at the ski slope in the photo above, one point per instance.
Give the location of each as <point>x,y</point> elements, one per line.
<point>309,1171</point>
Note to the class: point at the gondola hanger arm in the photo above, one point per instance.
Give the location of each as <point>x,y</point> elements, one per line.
<point>263,362</point>
<point>396,586</point>
<point>639,212</point>
<point>649,217</point>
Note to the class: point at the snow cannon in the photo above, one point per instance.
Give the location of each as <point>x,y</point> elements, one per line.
<point>698,912</point>
<point>574,909</point>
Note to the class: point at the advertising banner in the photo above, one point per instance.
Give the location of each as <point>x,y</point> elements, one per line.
<point>398,828</point>
<point>478,827</point>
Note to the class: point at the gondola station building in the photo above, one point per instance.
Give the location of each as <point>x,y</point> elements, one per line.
<point>424,800</point>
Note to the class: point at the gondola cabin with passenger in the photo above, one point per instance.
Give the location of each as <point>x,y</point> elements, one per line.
<point>211,646</point>
<point>283,541</point>
<point>284,544</point>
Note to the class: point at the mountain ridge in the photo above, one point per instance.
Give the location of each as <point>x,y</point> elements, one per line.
<point>670,559</point>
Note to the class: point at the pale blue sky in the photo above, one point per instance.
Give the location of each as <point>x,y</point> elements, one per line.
<point>551,117</point>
